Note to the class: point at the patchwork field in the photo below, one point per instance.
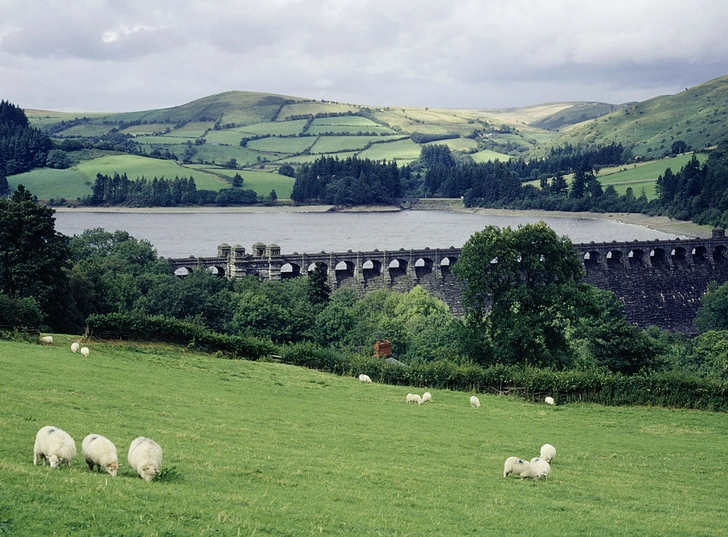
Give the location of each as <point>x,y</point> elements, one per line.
<point>265,448</point>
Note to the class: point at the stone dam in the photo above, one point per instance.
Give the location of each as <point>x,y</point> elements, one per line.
<point>659,282</point>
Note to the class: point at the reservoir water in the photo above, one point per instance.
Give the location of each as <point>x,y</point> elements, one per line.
<point>182,234</point>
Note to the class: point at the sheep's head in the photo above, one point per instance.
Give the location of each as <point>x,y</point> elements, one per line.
<point>55,461</point>
<point>112,468</point>
<point>149,472</point>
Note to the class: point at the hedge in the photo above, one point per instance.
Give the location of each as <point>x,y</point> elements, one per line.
<point>161,328</point>
<point>666,389</point>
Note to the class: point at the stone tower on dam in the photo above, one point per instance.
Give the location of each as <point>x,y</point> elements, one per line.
<point>659,282</point>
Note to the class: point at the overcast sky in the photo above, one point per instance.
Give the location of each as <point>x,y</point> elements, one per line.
<point>123,55</point>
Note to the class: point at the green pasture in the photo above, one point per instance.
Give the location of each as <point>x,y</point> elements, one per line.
<point>313,108</point>
<point>488,155</point>
<point>219,154</point>
<point>275,128</point>
<point>92,130</point>
<point>350,129</point>
<point>255,448</point>
<point>136,167</point>
<point>642,175</point>
<point>192,129</point>
<point>165,141</point>
<point>148,129</point>
<point>401,150</point>
<point>336,144</point>
<point>261,182</point>
<point>226,136</point>
<point>47,183</point>
<point>457,144</point>
<point>351,121</point>
<point>282,145</point>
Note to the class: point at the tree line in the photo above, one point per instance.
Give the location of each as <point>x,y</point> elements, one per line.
<point>118,189</point>
<point>22,147</point>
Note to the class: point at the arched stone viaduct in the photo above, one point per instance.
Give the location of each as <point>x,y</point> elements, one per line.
<point>659,282</point>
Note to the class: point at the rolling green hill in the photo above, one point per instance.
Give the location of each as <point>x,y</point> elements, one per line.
<point>254,448</point>
<point>263,131</point>
<point>697,116</point>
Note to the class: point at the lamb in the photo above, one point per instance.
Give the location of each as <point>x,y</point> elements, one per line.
<point>365,379</point>
<point>414,398</point>
<point>85,352</point>
<point>548,452</point>
<point>99,452</point>
<point>145,457</point>
<point>54,445</point>
<point>542,467</point>
<point>474,402</point>
<point>427,396</point>
<point>74,347</point>
<point>46,340</point>
<point>549,400</point>
<point>516,466</point>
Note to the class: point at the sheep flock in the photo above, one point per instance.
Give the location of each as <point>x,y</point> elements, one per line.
<point>58,447</point>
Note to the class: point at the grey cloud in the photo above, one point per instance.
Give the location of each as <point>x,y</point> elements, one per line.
<point>123,55</point>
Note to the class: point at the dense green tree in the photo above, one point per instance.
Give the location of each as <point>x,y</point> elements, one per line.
<point>34,260</point>
<point>112,270</point>
<point>523,289</point>
<point>287,170</point>
<point>612,343</point>
<point>200,296</point>
<point>319,290</point>
<point>713,311</point>
<point>58,159</point>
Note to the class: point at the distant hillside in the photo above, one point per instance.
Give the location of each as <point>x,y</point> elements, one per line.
<point>697,116</point>
<point>577,113</point>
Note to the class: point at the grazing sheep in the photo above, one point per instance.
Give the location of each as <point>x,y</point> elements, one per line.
<point>543,468</point>
<point>549,400</point>
<point>427,396</point>
<point>145,457</point>
<point>414,398</point>
<point>548,452</point>
<point>516,466</point>
<point>85,352</point>
<point>100,452</point>
<point>474,402</point>
<point>74,347</point>
<point>365,379</point>
<point>46,340</point>
<point>54,445</point>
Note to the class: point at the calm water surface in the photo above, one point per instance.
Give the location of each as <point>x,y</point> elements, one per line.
<point>198,234</point>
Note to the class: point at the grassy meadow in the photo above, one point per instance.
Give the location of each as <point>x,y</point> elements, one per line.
<point>255,448</point>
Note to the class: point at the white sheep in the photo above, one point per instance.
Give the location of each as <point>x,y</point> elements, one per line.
<point>145,457</point>
<point>46,340</point>
<point>74,347</point>
<point>474,402</point>
<point>365,379</point>
<point>84,352</point>
<point>99,452</point>
<point>427,396</point>
<point>414,398</point>
<point>517,466</point>
<point>548,453</point>
<point>543,468</point>
<point>549,400</point>
<point>54,445</point>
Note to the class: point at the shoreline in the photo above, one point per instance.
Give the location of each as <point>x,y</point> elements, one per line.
<point>659,223</point>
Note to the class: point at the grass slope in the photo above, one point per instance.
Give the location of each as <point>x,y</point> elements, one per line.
<point>698,116</point>
<point>263,448</point>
